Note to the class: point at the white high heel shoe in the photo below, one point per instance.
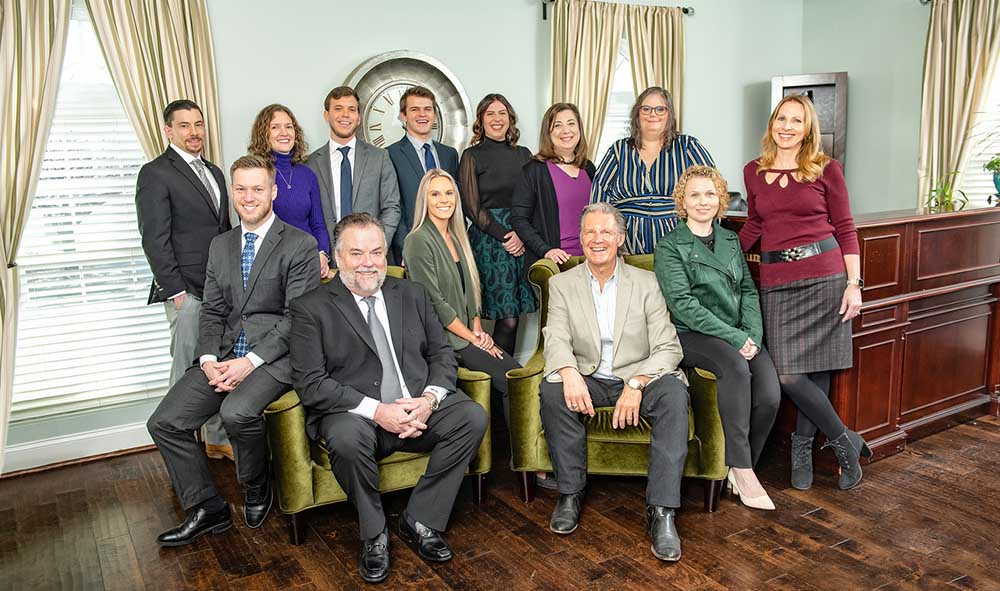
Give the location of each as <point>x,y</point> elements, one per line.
<point>762,502</point>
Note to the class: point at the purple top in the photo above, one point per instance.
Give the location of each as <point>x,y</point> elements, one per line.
<point>573,194</point>
<point>299,205</point>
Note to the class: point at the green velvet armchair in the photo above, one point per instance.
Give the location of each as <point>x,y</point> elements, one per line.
<point>303,478</point>
<point>621,452</point>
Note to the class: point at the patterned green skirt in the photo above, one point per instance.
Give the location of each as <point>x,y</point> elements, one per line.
<point>506,293</point>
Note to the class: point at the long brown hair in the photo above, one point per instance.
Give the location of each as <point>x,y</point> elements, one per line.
<point>456,225</point>
<point>546,150</point>
<point>478,133</point>
<point>811,160</point>
<point>259,143</point>
<point>669,134</point>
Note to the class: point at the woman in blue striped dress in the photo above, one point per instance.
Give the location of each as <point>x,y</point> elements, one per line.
<point>638,173</point>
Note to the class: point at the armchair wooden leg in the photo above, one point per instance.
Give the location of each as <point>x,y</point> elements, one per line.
<point>479,489</point>
<point>712,491</point>
<point>527,486</point>
<point>297,528</point>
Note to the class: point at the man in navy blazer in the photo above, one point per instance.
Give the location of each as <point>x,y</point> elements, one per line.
<point>415,154</point>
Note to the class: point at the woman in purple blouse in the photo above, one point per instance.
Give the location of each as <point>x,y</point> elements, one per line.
<point>553,189</point>
<point>276,134</point>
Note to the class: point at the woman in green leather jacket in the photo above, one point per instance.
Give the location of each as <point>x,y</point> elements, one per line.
<point>713,303</point>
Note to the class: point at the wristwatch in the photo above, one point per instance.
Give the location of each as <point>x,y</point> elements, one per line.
<point>435,403</point>
<point>636,384</point>
<point>859,282</point>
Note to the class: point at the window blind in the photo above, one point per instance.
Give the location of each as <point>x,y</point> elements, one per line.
<point>985,134</point>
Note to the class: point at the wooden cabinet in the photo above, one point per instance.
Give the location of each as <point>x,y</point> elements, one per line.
<point>927,342</point>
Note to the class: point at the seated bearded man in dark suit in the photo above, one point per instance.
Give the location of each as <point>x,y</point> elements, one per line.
<point>373,367</point>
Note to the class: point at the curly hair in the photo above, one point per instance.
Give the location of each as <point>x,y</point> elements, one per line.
<point>811,159</point>
<point>478,133</point>
<point>703,172</point>
<point>669,133</point>
<point>260,144</point>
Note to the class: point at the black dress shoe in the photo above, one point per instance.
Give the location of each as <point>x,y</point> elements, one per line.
<point>198,523</point>
<point>257,501</point>
<point>374,564</point>
<point>566,515</point>
<point>666,542</point>
<point>428,543</point>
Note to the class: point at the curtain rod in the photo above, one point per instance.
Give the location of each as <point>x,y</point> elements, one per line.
<point>687,10</point>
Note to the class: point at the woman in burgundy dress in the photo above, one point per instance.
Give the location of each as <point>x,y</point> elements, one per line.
<point>810,277</point>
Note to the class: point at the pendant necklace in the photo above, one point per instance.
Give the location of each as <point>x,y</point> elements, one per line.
<point>288,181</point>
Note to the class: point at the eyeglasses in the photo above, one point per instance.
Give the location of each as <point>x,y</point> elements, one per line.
<point>659,110</point>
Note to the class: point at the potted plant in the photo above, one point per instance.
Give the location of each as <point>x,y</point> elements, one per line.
<point>994,166</point>
<point>942,197</point>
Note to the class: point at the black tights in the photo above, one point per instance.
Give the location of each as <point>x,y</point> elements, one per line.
<point>505,334</point>
<point>811,395</point>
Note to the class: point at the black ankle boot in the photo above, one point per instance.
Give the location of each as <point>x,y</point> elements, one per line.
<point>849,448</point>
<point>802,462</point>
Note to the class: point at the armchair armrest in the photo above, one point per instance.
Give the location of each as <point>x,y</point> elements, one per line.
<point>525,411</point>
<point>286,436</point>
<point>476,386</point>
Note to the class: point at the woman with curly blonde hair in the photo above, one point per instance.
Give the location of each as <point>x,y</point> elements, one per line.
<point>810,278</point>
<point>276,135</point>
<point>713,303</point>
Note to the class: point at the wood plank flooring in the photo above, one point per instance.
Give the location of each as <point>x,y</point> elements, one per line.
<point>925,519</point>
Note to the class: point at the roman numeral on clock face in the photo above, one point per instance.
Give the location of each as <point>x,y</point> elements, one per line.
<point>379,141</point>
<point>375,127</point>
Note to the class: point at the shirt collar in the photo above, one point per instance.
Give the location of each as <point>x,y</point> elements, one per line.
<point>359,299</point>
<point>187,156</point>
<point>261,230</point>
<point>353,144</point>
<point>418,145</point>
<point>611,280</point>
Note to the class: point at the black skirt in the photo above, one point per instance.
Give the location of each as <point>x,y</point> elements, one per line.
<point>802,325</point>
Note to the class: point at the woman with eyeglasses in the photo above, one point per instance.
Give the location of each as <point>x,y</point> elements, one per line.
<point>638,173</point>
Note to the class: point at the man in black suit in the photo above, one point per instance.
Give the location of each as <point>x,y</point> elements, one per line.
<point>181,202</point>
<point>253,273</point>
<point>414,154</point>
<point>376,374</point>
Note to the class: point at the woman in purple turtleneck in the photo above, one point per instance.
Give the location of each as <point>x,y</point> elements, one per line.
<point>276,134</point>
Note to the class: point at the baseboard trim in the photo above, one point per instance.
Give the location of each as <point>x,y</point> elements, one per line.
<point>78,447</point>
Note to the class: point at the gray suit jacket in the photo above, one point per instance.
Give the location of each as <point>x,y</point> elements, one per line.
<point>374,181</point>
<point>284,268</point>
<point>645,341</point>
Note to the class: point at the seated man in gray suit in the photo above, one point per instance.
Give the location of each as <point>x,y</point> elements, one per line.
<point>414,154</point>
<point>609,342</point>
<point>253,272</point>
<point>353,175</point>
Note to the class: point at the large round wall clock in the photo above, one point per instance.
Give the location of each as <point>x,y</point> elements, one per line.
<point>381,81</point>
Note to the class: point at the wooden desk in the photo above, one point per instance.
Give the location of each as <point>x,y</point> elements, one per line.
<point>927,342</point>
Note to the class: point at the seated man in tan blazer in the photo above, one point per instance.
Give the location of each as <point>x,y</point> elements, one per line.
<point>609,342</point>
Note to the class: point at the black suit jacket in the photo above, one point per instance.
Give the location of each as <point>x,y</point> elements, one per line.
<point>534,212</point>
<point>334,359</point>
<point>177,220</point>
<point>284,268</point>
<point>409,172</point>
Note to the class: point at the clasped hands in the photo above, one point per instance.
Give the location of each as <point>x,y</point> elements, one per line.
<point>749,349</point>
<point>407,417</point>
<point>226,375</point>
<point>577,399</point>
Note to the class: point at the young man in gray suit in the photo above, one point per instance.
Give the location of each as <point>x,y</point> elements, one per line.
<point>253,272</point>
<point>416,153</point>
<point>609,342</point>
<point>353,175</point>
<point>181,204</point>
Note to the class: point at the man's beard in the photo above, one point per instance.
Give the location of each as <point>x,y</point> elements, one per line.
<point>350,279</point>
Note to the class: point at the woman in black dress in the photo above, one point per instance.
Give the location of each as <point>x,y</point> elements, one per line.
<point>488,172</point>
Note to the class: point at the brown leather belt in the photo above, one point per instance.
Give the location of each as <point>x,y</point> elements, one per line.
<point>798,253</point>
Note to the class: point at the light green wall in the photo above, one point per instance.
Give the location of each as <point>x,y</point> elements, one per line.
<point>881,46</point>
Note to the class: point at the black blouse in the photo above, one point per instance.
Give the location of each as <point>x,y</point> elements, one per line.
<point>487,174</point>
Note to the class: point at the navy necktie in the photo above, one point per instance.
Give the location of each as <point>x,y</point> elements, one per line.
<point>429,163</point>
<point>240,349</point>
<point>346,183</point>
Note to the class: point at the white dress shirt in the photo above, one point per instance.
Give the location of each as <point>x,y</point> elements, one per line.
<point>604,304</point>
<point>418,145</point>
<point>261,231</point>
<point>369,405</point>
<point>189,158</point>
<point>336,157</point>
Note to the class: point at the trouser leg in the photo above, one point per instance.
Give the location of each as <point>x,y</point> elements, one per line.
<point>352,443</point>
<point>765,397</point>
<point>183,335</point>
<point>665,404</point>
<point>242,416</point>
<point>476,359</point>
<point>188,404</point>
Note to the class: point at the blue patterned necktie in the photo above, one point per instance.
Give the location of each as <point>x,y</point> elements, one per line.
<point>346,183</point>
<point>429,163</point>
<point>240,349</point>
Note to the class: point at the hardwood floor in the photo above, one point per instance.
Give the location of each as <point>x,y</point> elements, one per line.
<point>925,519</point>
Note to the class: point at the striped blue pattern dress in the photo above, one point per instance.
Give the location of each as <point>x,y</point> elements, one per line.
<point>642,194</point>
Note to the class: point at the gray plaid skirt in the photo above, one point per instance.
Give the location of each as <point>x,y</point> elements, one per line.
<point>802,327</point>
